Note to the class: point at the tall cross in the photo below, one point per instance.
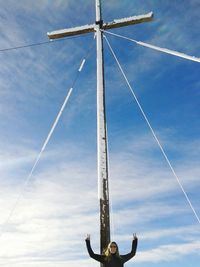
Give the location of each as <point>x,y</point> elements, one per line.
<point>102,162</point>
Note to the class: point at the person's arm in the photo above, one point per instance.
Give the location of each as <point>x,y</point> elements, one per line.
<point>96,257</point>
<point>130,255</point>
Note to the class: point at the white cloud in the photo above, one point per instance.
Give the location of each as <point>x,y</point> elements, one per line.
<point>168,253</point>
<point>60,204</point>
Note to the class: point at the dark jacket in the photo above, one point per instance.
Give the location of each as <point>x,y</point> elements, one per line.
<point>113,261</point>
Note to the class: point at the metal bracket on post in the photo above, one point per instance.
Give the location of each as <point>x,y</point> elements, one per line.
<point>100,23</point>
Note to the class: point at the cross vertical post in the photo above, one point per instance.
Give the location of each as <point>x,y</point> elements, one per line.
<point>102,159</point>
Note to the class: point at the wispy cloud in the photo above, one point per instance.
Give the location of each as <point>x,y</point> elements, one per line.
<point>168,253</point>
<point>60,205</point>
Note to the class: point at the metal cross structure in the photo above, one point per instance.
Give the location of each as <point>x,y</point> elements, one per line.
<point>102,162</point>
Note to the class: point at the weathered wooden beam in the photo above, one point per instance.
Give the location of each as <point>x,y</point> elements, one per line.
<point>71,31</point>
<point>128,21</point>
<point>108,25</point>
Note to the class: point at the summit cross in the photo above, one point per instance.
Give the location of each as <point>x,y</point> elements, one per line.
<point>102,158</point>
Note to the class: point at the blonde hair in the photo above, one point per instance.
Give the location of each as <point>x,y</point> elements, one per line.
<point>107,252</point>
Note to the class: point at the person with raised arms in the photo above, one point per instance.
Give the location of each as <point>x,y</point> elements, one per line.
<point>111,256</point>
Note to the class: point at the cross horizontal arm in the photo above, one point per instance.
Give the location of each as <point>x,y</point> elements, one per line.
<point>128,21</point>
<point>71,31</point>
<point>91,27</point>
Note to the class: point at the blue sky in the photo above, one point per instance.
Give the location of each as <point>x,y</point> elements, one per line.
<point>59,205</point>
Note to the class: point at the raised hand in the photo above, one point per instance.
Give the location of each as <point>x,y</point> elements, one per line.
<point>134,236</point>
<point>88,237</point>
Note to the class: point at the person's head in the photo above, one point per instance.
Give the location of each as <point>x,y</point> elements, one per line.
<point>112,249</point>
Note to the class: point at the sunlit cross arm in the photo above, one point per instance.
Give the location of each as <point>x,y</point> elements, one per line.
<point>107,25</point>
<point>128,21</point>
<point>71,31</point>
